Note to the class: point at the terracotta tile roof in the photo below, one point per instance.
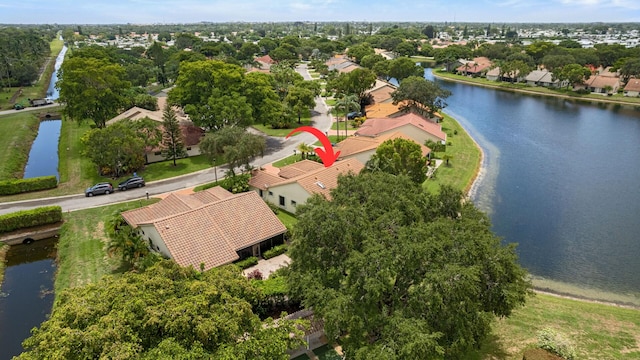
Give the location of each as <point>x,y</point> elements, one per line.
<point>314,180</point>
<point>173,204</point>
<point>358,144</point>
<point>382,94</point>
<point>191,134</point>
<point>632,85</point>
<point>299,168</point>
<point>376,126</point>
<point>262,180</point>
<point>213,233</point>
<point>598,81</point>
<point>265,59</point>
<point>382,110</point>
<point>323,180</point>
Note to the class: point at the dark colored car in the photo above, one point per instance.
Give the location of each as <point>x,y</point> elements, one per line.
<point>131,182</point>
<point>18,106</point>
<point>99,188</point>
<point>353,115</point>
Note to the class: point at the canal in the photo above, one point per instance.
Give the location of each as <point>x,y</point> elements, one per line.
<point>26,295</point>
<point>560,178</point>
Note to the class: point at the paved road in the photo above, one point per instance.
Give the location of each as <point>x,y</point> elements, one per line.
<point>277,148</point>
<point>28,109</point>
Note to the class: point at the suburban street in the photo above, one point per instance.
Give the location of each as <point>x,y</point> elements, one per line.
<point>277,148</point>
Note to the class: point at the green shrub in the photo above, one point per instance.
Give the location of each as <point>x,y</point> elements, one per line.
<point>247,263</point>
<point>273,207</point>
<point>28,218</point>
<point>550,340</point>
<point>275,251</point>
<point>18,186</point>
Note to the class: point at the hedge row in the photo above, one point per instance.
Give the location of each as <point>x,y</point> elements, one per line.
<point>28,218</point>
<point>248,262</point>
<point>275,251</point>
<point>17,186</point>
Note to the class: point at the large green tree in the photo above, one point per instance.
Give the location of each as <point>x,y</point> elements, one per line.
<point>164,312</point>
<point>115,149</point>
<point>356,82</point>
<point>91,89</point>
<point>399,156</point>
<point>357,52</point>
<point>403,67</point>
<point>300,100</point>
<point>573,74</point>
<point>211,92</point>
<point>234,144</point>
<point>172,142</point>
<point>397,273</point>
<point>420,95</point>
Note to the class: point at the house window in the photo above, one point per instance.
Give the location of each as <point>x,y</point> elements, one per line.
<point>260,192</point>
<point>188,148</point>
<point>270,193</point>
<point>281,198</point>
<point>293,203</point>
<point>157,153</point>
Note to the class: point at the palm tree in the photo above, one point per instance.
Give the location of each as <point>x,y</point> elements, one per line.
<point>305,149</point>
<point>346,103</point>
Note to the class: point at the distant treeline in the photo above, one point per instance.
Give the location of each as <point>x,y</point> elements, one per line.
<point>23,51</point>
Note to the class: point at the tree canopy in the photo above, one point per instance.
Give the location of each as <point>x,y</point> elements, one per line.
<point>165,311</point>
<point>92,89</point>
<point>118,148</point>
<point>420,95</point>
<point>397,273</point>
<point>399,156</point>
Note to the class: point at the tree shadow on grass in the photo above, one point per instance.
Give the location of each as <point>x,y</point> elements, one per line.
<point>490,349</point>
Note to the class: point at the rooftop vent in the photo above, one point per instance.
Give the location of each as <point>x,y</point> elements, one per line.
<point>321,185</point>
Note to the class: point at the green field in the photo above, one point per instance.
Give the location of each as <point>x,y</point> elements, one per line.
<point>17,132</point>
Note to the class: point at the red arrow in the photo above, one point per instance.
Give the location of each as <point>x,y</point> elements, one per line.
<point>327,155</point>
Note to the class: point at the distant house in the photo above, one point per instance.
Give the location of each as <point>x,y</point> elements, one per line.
<point>211,227</point>
<point>389,110</point>
<point>476,67</point>
<point>544,77</point>
<point>293,184</point>
<point>191,134</point>
<point>412,125</point>
<point>265,62</point>
<point>363,147</point>
<point>600,84</point>
<point>381,92</point>
<point>493,74</point>
<point>632,88</point>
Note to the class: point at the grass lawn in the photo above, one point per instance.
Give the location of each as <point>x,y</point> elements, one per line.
<point>598,331</point>
<point>331,102</point>
<point>306,121</point>
<point>333,138</point>
<point>82,256</point>
<point>3,252</point>
<point>463,165</point>
<point>17,132</point>
<point>350,125</point>
<point>288,219</point>
<point>287,161</point>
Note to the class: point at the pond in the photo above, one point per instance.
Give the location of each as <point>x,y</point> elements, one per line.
<point>43,156</point>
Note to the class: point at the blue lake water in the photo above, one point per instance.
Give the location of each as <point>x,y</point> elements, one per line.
<point>561,179</point>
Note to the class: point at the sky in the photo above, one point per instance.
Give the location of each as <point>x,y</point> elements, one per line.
<point>191,11</point>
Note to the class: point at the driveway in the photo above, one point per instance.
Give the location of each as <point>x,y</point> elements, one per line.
<point>277,148</point>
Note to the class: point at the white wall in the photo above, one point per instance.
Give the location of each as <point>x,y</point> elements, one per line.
<point>149,232</point>
<point>290,192</point>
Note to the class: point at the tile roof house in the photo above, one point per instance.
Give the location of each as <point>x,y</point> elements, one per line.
<point>295,183</point>
<point>381,92</point>
<point>544,77</point>
<point>390,110</point>
<point>191,134</point>
<point>476,67</point>
<point>414,126</point>
<point>632,88</point>
<point>600,84</point>
<point>212,227</point>
<point>363,147</point>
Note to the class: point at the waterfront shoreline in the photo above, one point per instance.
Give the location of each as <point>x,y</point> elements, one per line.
<point>532,92</point>
<point>539,286</point>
